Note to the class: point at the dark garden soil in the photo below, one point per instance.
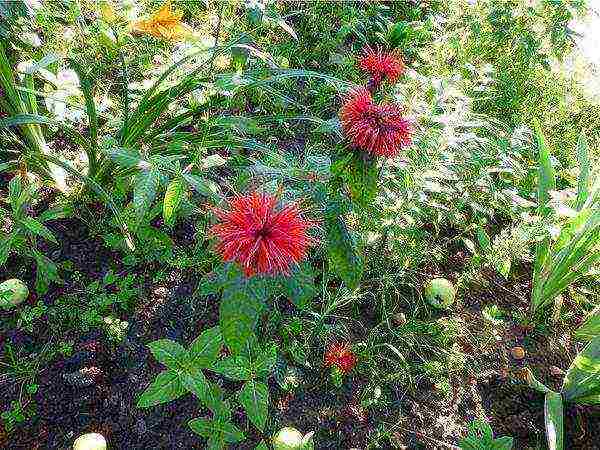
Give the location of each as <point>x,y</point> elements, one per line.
<point>94,389</point>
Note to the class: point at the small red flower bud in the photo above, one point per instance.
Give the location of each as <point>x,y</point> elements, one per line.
<point>340,356</point>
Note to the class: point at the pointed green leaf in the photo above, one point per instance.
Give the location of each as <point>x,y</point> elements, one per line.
<point>172,201</point>
<point>583,377</point>
<point>166,387</point>
<point>206,348</point>
<point>254,397</point>
<point>46,271</point>
<point>125,157</point>
<point>300,286</point>
<point>169,353</point>
<point>553,416</point>
<point>236,368</point>
<point>261,446</point>
<point>39,229</point>
<point>214,428</point>
<point>265,361</point>
<point>144,190</point>
<point>6,244</point>
<point>239,312</point>
<point>546,178</point>
<point>57,212</point>
<point>203,186</point>
<point>590,328</point>
<point>342,252</point>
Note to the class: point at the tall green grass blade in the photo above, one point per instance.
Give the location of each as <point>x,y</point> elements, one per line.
<point>546,183</point>
<point>590,328</point>
<point>582,381</point>
<point>90,107</point>
<point>546,177</point>
<point>36,119</point>
<point>553,417</point>
<point>583,157</point>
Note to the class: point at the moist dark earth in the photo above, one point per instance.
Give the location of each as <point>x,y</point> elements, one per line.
<point>103,400</point>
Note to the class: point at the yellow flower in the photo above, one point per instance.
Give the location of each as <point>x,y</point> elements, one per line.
<point>165,23</point>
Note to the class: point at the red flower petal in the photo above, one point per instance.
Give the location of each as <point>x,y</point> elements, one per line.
<point>340,356</point>
<point>379,129</point>
<point>381,65</point>
<point>262,238</point>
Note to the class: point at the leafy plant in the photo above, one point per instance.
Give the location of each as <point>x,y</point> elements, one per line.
<point>248,362</point>
<point>24,231</point>
<point>577,248</point>
<point>15,102</point>
<point>481,437</point>
<point>581,385</point>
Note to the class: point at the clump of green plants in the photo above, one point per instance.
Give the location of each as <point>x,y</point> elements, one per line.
<point>21,233</point>
<point>481,437</point>
<point>575,252</point>
<point>581,385</point>
<point>248,362</point>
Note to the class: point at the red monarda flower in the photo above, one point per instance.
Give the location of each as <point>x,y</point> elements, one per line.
<point>262,238</point>
<point>381,65</point>
<point>379,129</point>
<point>341,357</point>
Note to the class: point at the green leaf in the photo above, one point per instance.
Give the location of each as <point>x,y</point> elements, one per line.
<point>582,381</point>
<point>169,353</point>
<point>236,368</point>
<point>172,201</point>
<point>6,244</point>
<point>300,286</point>
<point>481,437</point>
<point>36,119</point>
<point>86,87</point>
<point>553,416</point>
<point>239,311</point>
<point>125,157</point>
<point>342,252</point>
<point>583,158</point>
<point>254,397</point>
<point>362,176</point>
<point>206,348</point>
<point>14,193</point>
<point>590,328</point>
<point>264,362</point>
<point>166,387</point>
<point>214,428</point>
<point>261,446</point>
<point>546,177</point>
<point>37,228</point>
<point>534,383</point>
<point>46,271</point>
<point>57,212</point>
<point>195,382</point>
<point>216,443</point>
<point>203,186</point>
<point>144,190</point>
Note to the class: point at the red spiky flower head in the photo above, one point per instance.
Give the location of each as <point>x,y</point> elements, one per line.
<point>379,129</point>
<point>381,65</point>
<point>260,236</point>
<point>341,357</point>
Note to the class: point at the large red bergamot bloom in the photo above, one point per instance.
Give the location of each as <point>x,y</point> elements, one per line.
<point>262,237</point>
<point>381,65</point>
<point>379,129</point>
